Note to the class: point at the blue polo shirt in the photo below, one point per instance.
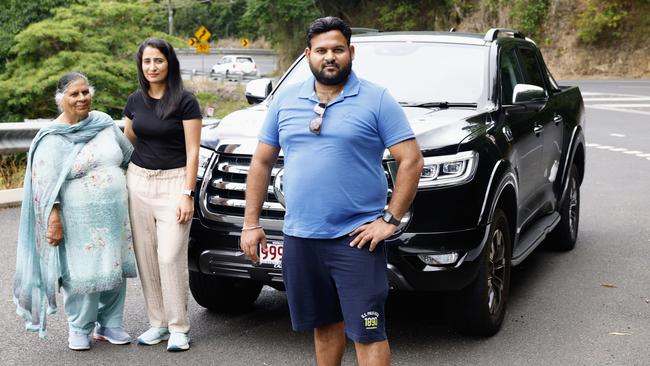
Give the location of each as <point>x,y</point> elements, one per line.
<point>334,182</point>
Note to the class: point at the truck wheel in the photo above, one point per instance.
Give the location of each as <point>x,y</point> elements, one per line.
<point>223,293</point>
<point>480,307</point>
<point>565,234</point>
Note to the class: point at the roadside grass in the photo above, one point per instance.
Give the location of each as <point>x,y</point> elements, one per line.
<point>12,170</point>
<point>223,97</point>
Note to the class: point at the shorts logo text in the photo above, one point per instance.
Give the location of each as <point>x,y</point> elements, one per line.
<point>370,319</point>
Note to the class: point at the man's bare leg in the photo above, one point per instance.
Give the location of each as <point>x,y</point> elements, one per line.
<point>329,341</point>
<point>373,354</point>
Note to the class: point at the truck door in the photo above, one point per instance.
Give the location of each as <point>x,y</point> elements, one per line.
<point>518,128</point>
<point>548,124</point>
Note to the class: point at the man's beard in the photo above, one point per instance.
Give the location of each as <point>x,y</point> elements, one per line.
<point>334,79</point>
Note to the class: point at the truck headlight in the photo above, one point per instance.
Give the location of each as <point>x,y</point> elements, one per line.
<point>205,155</point>
<point>439,171</point>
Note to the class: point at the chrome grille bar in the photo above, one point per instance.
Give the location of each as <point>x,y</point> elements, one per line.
<point>219,183</point>
<point>232,202</point>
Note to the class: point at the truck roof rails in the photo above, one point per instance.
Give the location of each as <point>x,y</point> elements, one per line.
<point>494,33</point>
<point>357,30</point>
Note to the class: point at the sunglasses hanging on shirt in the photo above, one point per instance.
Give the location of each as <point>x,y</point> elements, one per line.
<point>317,122</point>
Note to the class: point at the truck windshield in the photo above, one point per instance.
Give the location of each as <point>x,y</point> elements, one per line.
<point>417,73</point>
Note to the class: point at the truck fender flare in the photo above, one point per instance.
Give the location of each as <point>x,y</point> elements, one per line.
<point>500,173</point>
<point>577,139</point>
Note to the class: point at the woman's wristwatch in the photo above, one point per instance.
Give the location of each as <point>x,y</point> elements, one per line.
<point>188,192</point>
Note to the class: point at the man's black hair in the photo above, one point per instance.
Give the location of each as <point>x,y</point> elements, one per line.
<point>326,24</point>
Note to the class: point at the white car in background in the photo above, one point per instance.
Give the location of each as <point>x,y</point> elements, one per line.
<point>234,66</point>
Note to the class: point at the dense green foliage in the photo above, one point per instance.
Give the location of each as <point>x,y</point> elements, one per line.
<point>99,40</point>
<point>17,14</point>
<point>282,22</point>
<point>223,19</point>
<point>599,18</point>
<point>528,15</point>
<point>42,39</point>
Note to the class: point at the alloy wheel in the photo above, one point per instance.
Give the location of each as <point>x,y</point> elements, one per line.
<point>496,270</point>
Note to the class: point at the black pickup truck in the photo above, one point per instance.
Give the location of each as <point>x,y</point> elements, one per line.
<point>504,153</point>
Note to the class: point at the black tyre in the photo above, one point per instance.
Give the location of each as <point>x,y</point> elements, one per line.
<point>565,234</point>
<point>223,294</point>
<point>479,308</point>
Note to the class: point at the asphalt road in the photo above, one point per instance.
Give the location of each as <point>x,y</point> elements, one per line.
<point>266,64</point>
<point>590,306</point>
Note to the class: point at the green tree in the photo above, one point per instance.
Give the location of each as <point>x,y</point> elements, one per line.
<point>17,14</point>
<point>222,18</point>
<point>99,39</point>
<point>284,23</point>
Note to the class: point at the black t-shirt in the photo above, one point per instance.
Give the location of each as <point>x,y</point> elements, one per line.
<point>161,143</point>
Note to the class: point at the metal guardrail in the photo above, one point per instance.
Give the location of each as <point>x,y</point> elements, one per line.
<point>15,137</point>
<point>229,51</point>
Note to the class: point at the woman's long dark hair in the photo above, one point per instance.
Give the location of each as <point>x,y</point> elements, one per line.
<point>174,84</point>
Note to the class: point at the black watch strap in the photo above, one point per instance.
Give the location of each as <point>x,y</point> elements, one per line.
<point>389,218</point>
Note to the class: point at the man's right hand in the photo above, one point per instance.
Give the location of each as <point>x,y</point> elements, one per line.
<point>249,242</point>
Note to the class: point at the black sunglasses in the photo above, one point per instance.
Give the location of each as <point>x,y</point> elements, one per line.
<point>316,123</point>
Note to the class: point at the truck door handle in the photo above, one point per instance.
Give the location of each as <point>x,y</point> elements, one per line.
<point>557,119</point>
<point>538,129</point>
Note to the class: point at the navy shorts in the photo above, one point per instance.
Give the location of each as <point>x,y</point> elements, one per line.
<point>328,281</point>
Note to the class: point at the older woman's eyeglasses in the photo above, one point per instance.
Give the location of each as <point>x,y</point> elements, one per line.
<point>316,123</point>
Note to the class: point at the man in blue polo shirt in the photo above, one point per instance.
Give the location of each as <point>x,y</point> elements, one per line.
<point>333,129</point>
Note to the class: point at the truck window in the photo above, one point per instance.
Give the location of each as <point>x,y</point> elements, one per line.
<point>510,75</point>
<point>529,62</point>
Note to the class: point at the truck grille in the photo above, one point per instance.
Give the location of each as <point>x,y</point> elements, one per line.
<point>222,196</point>
<point>225,193</point>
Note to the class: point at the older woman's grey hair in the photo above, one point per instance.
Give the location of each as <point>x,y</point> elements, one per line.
<point>64,83</point>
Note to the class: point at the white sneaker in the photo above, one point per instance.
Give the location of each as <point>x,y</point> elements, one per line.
<point>178,342</point>
<point>153,336</point>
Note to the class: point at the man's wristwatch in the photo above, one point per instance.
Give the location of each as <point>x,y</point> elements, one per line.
<point>389,218</point>
<point>188,192</point>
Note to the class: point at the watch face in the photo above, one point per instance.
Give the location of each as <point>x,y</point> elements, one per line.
<point>387,216</point>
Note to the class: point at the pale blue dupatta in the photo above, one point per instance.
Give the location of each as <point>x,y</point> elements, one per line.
<point>37,263</point>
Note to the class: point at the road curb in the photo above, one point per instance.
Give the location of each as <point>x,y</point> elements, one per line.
<point>11,197</point>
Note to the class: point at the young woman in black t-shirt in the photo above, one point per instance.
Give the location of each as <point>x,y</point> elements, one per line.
<point>163,121</point>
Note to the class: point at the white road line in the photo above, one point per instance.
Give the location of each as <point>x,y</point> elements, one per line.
<point>592,106</point>
<point>614,94</point>
<point>624,150</point>
<point>629,99</point>
<point>616,135</point>
<point>624,105</point>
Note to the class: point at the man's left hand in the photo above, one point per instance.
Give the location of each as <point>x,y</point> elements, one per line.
<point>373,233</point>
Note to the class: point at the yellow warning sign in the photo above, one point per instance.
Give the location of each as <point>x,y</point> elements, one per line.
<point>192,41</point>
<point>244,42</point>
<point>202,34</point>
<point>203,48</point>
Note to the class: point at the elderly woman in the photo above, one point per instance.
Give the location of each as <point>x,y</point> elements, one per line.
<point>74,228</point>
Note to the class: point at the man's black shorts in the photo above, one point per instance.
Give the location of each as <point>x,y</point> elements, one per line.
<point>328,281</point>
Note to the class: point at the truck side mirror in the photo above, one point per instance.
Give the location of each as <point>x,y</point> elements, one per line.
<point>526,93</point>
<point>257,90</point>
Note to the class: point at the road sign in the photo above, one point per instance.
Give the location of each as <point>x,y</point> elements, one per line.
<point>203,48</point>
<point>202,34</point>
<point>192,41</point>
<point>244,42</point>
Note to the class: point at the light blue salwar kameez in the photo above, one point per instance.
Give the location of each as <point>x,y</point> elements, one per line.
<point>82,167</point>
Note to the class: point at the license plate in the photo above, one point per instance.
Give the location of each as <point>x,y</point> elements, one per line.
<point>272,255</point>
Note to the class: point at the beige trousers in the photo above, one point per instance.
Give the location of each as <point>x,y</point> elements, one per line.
<point>160,244</point>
